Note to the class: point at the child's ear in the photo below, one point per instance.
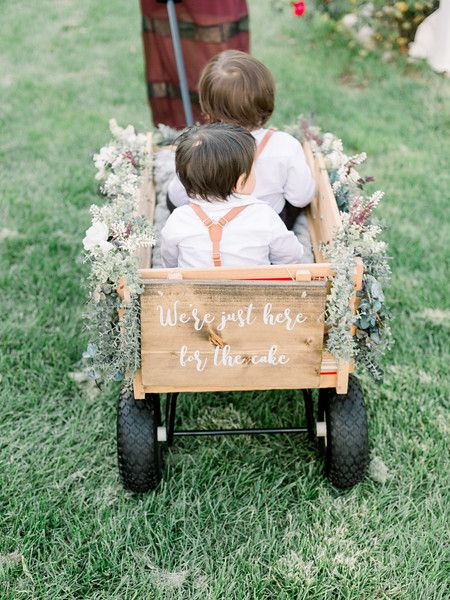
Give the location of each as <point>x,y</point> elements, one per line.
<point>240,184</point>
<point>245,184</point>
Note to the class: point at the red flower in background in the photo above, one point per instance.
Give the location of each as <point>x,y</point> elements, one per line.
<point>299,8</point>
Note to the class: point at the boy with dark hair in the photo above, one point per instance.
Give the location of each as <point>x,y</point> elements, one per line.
<point>224,224</point>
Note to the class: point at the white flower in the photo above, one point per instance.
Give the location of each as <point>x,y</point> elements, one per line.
<point>354,176</point>
<point>358,159</point>
<point>367,10</point>
<point>331,143</point>
<point>349,20</point>
<point>104,157</point>
<point>127,137</point>
<point>335,159</point>
<point>365,36</point>
<point>97,235</point>
<point>114,128</point>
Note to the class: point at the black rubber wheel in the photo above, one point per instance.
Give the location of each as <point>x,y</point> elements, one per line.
<point>346,448</point>
<point>138,450</point>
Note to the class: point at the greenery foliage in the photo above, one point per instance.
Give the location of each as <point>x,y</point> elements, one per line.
<point>117,232</point>
<point>358,237</point>
<point>390,24</point>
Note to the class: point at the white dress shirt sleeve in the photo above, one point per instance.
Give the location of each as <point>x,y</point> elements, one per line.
<point>169,245</point>
<point>284,247</point>
<point>299,187</point>
<point>177,193</point>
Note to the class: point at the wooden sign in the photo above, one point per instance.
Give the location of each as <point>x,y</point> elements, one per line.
<point>231,335</point>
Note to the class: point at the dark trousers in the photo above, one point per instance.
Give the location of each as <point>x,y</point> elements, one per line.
<point>170,205</point>
<point>288,215</point>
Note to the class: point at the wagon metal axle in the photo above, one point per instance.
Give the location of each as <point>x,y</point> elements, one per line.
<point>190,432</point>
<point>166,434</point>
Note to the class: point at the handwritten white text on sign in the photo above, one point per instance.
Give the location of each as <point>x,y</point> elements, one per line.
<point>243,316</point>
<point>172,316</point>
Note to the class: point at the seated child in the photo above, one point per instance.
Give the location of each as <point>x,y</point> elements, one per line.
<point>237,88</point>
<point>224,224</point>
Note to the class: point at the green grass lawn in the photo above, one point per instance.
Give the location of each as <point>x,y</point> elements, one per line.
<point>235,518</point>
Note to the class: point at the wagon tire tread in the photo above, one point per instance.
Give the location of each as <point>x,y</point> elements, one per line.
<point>138,450</point>
<point>347,453</point>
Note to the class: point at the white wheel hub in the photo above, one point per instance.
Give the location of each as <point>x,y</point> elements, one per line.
<point>321,429</point>
<point>161,434</point>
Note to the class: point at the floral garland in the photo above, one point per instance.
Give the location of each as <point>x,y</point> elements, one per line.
<point>116,233</point>
<point>110,245</point>
<point>358,237</point>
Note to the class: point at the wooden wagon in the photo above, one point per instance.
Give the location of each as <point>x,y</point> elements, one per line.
<point>246,328</point>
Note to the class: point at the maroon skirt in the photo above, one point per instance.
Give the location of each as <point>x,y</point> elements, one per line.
<point>207,27</point>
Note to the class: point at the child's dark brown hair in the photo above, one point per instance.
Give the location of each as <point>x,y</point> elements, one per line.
<point>236,88</point>
<point>211,158</point>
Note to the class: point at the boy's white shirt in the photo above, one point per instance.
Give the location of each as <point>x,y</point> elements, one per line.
<point>257,236</point>
<point>281,171</point>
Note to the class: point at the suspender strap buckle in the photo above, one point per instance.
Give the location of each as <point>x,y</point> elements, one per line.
<point>215,229</point>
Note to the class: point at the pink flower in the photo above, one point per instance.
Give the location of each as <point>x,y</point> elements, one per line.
<point>128,155</point>
<point>309,133</point>
<point>361,208</point>
<point>299,8</point>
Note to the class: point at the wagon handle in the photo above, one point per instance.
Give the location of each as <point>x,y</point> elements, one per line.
<point>176,42</point>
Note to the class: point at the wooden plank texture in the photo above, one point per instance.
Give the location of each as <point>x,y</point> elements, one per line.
<point>330,219</point>
<point>312,210</point>
<point>317,271</point>
<point>214,336</point>
<point>323,214</point>
<point>264,272</point>
<point>147,200</point>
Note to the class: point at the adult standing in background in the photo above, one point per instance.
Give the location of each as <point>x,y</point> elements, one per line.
<point>432,39</point>
<point>206,28</point>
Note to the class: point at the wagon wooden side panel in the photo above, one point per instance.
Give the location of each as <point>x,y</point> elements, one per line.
<point>147,201</point>
<point>323,214</point>
<point>200,336</point>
